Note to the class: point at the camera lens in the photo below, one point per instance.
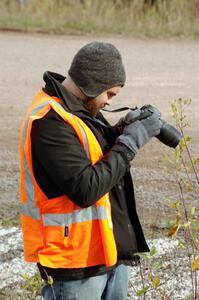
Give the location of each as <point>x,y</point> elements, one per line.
<point>169,135</point>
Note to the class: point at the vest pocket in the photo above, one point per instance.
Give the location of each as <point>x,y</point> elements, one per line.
<point>54,236</point>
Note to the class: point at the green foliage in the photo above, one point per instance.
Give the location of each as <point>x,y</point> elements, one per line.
<point>142,291</point>
<point>185,162</point>
<point>184,225</point>
<point>195,264</point>
<point>10,216</point>
<point>152,251</point>
<point>186,213</point>
<point>31,286</point>
<point>28,290</point>
<point>164,18</point>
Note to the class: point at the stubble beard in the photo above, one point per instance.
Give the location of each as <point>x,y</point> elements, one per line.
<point>89,104</point>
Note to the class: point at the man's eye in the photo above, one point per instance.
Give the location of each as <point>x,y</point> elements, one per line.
<point>110,95</point>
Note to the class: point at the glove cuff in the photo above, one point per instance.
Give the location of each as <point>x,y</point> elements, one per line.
<point>126,153</point>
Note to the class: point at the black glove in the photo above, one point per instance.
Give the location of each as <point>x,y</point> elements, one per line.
<point>151,109</point>
<point>138,133</point>
<point>130,117</point>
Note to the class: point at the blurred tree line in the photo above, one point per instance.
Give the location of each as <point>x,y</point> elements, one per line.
<point>124,2</point>
<point>146,4</point>
<point>138,17</point>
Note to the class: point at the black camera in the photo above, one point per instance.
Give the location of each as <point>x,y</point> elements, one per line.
<point>169,135</point>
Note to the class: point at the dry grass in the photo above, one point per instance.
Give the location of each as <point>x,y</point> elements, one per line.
<point>165,18</point>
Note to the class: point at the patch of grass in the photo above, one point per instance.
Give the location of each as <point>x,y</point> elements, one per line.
<point>29,289</point>
<point>165,18</point>
<point>32,286</point>
<point>9,215</point>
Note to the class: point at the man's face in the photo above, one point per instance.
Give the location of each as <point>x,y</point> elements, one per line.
<point>102,100</point>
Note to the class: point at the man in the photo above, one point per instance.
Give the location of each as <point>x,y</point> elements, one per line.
<point>79,217</point>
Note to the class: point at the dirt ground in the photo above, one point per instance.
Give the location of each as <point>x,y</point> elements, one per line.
<point>158,71</point>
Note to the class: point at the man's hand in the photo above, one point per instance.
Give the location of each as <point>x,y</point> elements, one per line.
<point>151,108</point>
<point>137,134</point>
<point>130,117</point>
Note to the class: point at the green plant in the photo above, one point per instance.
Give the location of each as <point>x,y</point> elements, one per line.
<point>31,286</point>
<point>29,289</point>
<point>188,183</point>
<point>185,225</point>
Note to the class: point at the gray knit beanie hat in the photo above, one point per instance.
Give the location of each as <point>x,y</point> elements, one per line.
<point>97,67</point>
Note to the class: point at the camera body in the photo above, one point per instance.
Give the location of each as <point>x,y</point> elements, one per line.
<point>169,135</point>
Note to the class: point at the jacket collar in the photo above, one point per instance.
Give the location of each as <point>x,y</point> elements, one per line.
<point>53,87</point>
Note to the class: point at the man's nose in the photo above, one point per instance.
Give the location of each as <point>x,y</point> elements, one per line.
<point>108,101</point>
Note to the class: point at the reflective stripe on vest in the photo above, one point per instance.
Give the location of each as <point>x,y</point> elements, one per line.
<point>79,215</point>
<point>29,208</point>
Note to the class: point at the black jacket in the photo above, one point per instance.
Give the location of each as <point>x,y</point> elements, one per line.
<point>62,167</point>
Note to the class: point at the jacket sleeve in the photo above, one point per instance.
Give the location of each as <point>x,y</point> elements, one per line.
<point>57,148</point>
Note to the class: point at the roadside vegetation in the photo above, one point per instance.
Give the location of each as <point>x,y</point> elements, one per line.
<point>184,223</point>
<point>152,18</point>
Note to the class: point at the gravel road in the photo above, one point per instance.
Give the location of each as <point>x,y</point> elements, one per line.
<point>158,71</point>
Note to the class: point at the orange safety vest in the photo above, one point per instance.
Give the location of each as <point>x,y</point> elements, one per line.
<point>57,233</point>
